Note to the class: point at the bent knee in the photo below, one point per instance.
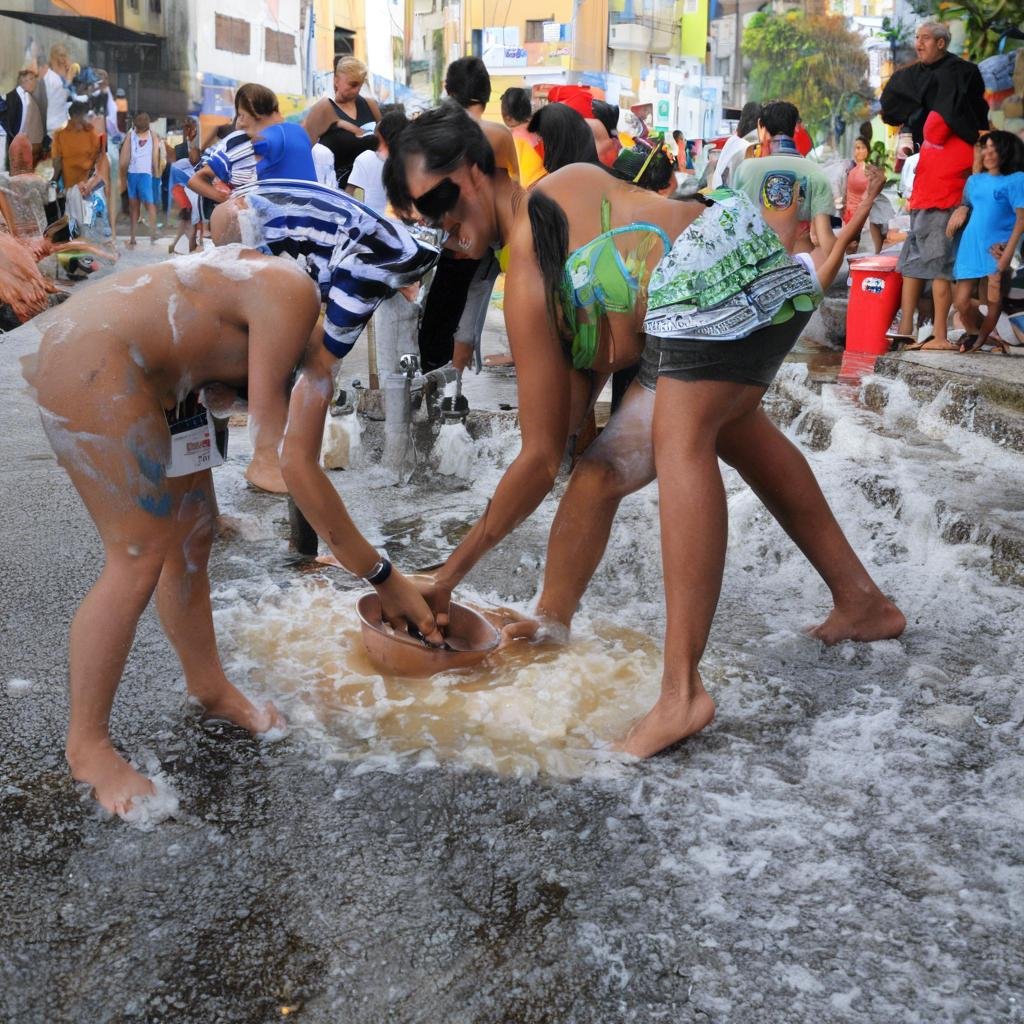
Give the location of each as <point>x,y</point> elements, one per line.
<point>613,474</point>
<point>136,566</point>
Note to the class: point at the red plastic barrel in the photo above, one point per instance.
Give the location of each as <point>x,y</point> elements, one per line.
<point>874,299</point>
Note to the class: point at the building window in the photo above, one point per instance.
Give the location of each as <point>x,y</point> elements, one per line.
<point>133,5</point>
<point>155,6</point>
<point>689,6</point>
<point>231,34</point>
<point>279,47</point>
<point>535,29</point>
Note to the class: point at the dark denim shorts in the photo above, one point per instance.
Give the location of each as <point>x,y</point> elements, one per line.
<point>752,360</point>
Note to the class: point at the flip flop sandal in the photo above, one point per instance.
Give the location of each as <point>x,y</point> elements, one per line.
<point>896,338</point>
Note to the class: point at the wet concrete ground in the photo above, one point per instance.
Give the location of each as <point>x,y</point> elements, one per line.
<point>741,878</point>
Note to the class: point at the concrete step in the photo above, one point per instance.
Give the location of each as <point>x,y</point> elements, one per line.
<point>981,393</point>
<point>918,408</point>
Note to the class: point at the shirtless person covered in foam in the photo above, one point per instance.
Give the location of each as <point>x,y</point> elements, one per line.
<point>112,376</point>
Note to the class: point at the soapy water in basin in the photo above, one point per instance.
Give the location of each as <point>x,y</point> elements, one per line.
<point>528,708</point>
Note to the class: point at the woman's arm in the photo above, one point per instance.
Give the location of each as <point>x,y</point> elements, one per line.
<point>319,119</point>
<point>1003,252</point>
<point>827,264</point>
<point>543,380</point>
<point>374,108</point>
<point>957,219</point>
<point>401,603</point>
<point>202,183</point>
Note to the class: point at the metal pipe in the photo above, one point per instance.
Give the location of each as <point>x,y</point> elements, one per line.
<point>397,421</point>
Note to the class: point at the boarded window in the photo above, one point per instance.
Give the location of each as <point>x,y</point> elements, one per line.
<point>279,46</point>
<point>231,34</point>
<point>535,30</point>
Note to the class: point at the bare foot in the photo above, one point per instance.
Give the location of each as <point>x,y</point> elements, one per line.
<point>328,559</point>
<point>875,619</point>
<point>672,719</point>
<point>231,705</point>
<point>266,476</point>
<point>934,345</point>
<point>114,781</point>
<point>131,243</point>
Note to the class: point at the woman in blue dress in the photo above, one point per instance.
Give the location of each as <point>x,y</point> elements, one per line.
<point>993,209</point>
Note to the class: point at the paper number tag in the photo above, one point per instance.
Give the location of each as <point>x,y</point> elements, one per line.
<point>192,445</point>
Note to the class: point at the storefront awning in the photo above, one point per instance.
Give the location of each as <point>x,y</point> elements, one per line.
<point>96,30</point>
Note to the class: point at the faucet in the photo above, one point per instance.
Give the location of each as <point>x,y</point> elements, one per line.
<point>407,392</point>
<point>455,408</point>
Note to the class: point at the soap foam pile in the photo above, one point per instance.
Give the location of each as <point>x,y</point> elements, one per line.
<point>528,709</point>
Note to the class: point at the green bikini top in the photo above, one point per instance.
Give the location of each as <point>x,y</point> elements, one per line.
<point>599,280</point>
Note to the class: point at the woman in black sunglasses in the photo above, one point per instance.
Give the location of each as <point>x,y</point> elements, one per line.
<point>602,275</point>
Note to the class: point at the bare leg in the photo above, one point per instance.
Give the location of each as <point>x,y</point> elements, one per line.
<point>152,222</point>
<point>694,520</point>
<point>967,309</point>
<point>779,475</point>
<point>909,298</point>
<point>618,463</point>
<point>966,306</point>
<point>876,236</point>
<point>993,307</point>
<point>183,601</point>
<point>942,298</point>
<point>268,412</point>
<point>102,632</point>
<point>133,216</point>
<point>125,491</point>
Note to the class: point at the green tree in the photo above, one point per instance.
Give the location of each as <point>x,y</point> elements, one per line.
<point>814,61</point>
<point>985,21</point>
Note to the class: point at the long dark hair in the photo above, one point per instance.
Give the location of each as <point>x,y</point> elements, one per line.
<point>551,247</point>
<point>566,136</point>
<point>446,137</point>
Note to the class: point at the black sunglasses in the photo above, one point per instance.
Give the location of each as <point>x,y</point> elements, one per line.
<point>435,203</point>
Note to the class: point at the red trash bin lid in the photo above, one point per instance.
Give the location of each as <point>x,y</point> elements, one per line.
<point>875,264</point>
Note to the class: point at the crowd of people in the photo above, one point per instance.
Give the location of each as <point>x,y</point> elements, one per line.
<point>939,104</point>
<point>615,265</point>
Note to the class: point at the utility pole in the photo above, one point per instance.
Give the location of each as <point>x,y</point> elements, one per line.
<point>737,65</point>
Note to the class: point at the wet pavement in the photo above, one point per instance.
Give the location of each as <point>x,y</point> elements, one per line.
<point>844,844</point>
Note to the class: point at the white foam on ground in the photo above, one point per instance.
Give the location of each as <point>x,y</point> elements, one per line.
<point>870,789</point>
<point>146,812</point>
<point>454,451</point>
<point>19,686</point>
